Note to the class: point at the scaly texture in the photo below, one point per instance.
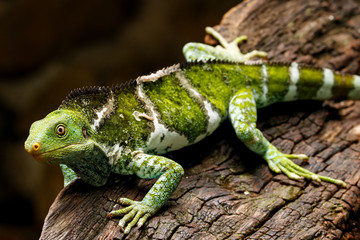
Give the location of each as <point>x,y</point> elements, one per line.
<point>101,130</point>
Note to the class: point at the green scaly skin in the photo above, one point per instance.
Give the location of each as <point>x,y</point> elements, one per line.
<point>100,130</point>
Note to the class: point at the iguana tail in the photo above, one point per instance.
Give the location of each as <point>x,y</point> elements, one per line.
<point>281,82</point>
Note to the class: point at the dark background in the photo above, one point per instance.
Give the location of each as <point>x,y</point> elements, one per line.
<point>48,48</point>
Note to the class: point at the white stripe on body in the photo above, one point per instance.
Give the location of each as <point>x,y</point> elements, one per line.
<point>100,115</point>
<point>160,73</point>
<point>325,92</point>
<point>214,117</point>
<point>105,112</point>
<point>355,93</point>
<point>265,78</point>
<point>115,153</point>
<point>161,139</point>
<point>294,78</point>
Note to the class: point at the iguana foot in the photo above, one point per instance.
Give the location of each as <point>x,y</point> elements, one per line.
<point>137,211</point>
<point>280,162</point>
<point>224,51</point>
<point>233,48</point>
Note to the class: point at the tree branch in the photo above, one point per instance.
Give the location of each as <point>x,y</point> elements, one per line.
<point>228,192</point>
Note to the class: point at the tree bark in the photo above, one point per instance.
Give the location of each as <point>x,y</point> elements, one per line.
<point>227,191</point>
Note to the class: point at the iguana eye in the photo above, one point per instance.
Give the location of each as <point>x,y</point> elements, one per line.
<point>60,130</point>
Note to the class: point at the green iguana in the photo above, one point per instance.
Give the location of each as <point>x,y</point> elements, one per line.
<point>124,129</point>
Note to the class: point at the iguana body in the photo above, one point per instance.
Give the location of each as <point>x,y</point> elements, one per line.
<point>122,129</point>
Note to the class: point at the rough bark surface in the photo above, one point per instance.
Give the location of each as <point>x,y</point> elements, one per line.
<point>228,192</point>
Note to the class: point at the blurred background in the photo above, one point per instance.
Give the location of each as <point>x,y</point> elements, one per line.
<point>48,48</point>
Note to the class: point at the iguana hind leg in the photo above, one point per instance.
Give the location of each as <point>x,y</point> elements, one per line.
<point>225,51</point>
<point>243,116</point>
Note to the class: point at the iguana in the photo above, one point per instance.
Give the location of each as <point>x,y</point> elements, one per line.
<point>124,129</point>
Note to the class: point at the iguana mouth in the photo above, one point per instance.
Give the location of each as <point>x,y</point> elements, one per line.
<point>42,157</point>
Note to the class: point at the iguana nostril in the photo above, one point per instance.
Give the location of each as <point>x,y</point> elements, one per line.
<point>36,146</point>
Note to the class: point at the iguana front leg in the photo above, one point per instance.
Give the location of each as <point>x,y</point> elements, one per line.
<point>149,166</point>
<point>225,51</point>
<point>242,112</point>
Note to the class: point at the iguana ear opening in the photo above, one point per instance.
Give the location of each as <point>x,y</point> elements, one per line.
<point>85,133</point>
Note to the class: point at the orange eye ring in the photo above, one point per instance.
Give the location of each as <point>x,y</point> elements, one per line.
<point>36,146</point>
<point>60,130</point>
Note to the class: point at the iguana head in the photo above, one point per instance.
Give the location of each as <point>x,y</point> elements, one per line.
<point>60,137</point>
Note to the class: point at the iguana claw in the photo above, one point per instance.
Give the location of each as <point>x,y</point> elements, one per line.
<point>228,51</point>
<point>280,162</point>
<point>138,211</point>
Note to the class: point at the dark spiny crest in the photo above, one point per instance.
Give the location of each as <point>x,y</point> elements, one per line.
<point>85,91</point>
<point>95,90</point>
